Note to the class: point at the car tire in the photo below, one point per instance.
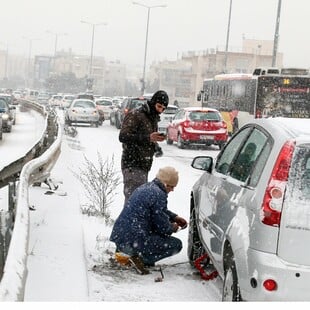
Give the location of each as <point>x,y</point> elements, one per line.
<point>117,124</point>
<point>231,290</point>
<point>169,141</point>
<point>194,246</point>
<point>180,142</point>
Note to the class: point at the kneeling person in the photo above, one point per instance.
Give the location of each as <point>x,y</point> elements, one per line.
<point>144,227</point>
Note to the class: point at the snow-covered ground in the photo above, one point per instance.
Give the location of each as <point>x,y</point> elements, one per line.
<point>69,253</point>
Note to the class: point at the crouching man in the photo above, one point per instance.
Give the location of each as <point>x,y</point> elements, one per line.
<point>144,227</point>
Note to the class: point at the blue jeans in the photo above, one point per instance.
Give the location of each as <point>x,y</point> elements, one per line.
<point>155,248</point>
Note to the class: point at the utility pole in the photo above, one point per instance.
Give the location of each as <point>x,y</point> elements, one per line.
<point>227,37</point>
<point>276,36</point>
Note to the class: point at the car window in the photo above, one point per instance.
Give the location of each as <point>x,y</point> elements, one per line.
<point>104,102</point>
<point>3,104</point>
<point>136,103</point>
<point>227,156</point>
<point>299,178</point>
<point>83,104</point>
<point>170,110</point>
<point>204,116</point>
<point>246,160</point>
<point>179,115</point>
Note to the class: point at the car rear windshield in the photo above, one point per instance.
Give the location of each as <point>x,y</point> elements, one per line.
<point>135,103</point>
<point>84,104</point>
<point>199,116</point>
<point>170,110</point>
<point>299,179</point>
<point>104,102</point>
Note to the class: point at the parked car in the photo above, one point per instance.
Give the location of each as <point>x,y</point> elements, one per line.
<point>11,101</point>
<point>43,98</point>
<point>166,117</point>
<point>7,114</point>
<point>82,111</point>
<point>66,101</point>
<point>105,106</point>
<point>117,105</point>
<point>251,216</point>
<point>197,126</point>
<point>127,105</point>
<point>55,101</point>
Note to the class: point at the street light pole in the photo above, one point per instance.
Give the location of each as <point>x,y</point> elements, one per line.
<point>276,36</point>
<point>227,37</point>
<point>92,43</point>
<point>146,37</point>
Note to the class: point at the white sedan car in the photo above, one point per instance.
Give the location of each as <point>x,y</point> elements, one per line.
<point>82,111</point>
<point>105,105</point>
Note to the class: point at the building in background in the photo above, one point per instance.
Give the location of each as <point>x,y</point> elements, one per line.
<point>182,78</point>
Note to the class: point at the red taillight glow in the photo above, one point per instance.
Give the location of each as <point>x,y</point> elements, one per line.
<point>273,199</point>
<point>187,123</point>
<point>270,285</point>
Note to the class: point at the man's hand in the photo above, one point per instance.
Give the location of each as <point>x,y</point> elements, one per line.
<point>175,227</point>
<point>157,137</point>
<point>181,222</point>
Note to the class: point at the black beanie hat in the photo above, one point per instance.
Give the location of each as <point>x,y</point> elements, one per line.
<point>160,97</point>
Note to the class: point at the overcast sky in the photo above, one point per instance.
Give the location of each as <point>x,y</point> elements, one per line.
<point>184,25</point>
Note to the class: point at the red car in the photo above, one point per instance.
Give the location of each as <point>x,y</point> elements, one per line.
<point>197,126</point>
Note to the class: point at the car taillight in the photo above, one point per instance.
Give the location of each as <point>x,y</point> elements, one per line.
<point>187,123</point>
<point>273,199</point>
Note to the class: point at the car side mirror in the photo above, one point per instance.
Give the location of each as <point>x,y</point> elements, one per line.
<point>204,163</point>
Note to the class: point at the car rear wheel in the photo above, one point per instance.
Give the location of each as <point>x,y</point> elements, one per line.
<point>231,290</point>
<point>117,123</point>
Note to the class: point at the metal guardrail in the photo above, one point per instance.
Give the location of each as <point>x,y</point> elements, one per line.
<point>34,167</point>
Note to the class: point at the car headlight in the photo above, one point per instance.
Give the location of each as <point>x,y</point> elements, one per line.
<point>5,116</point>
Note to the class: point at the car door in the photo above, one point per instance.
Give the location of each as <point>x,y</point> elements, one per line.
<point>217,195</point>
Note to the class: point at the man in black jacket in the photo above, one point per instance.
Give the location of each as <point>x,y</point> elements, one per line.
<point>139,137</point>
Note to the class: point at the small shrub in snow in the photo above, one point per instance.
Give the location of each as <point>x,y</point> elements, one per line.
<point>100,182</point>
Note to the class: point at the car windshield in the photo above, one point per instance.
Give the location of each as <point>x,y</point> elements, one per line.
<point>199,116</point>
<point>170,110</point>
<point>83,104</point>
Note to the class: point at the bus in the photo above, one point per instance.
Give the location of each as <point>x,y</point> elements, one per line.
<point>243,97</point>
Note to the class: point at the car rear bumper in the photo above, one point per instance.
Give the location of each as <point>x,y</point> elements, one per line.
<point>204,137</point>
<point>293,281</point>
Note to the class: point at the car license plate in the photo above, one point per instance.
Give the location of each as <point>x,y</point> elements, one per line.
<point>206,137</point>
